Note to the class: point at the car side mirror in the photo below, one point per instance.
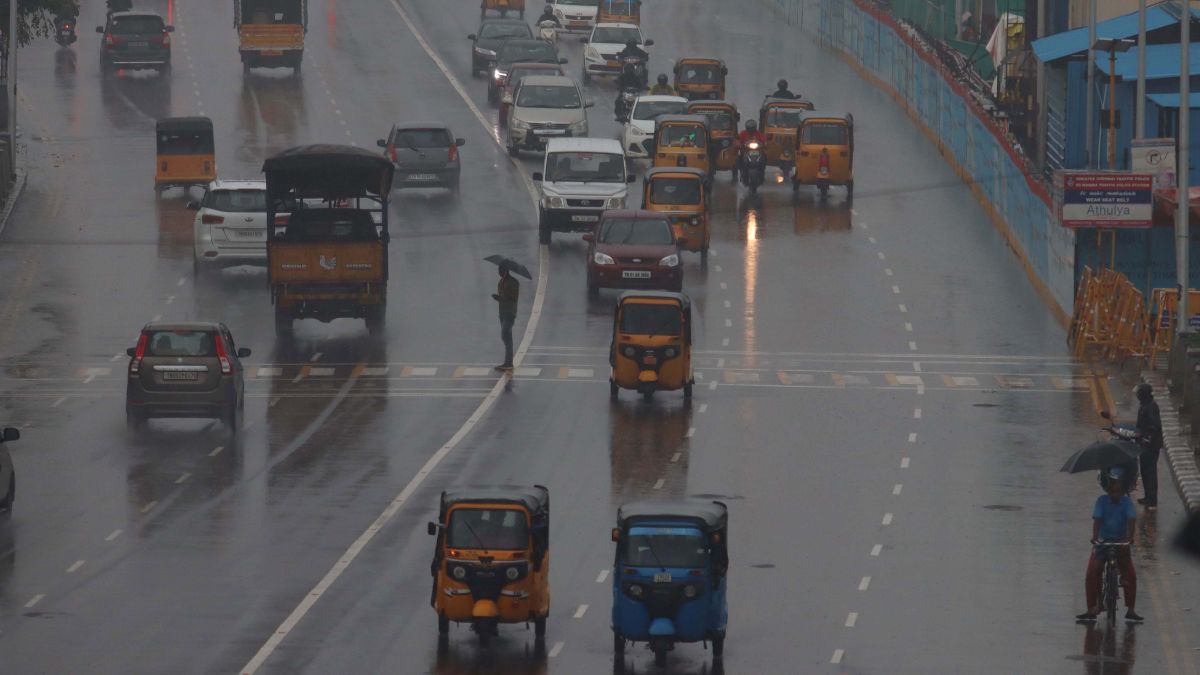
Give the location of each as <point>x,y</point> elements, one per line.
<point>460,142</point>
<point>132,351</point>
<point>537,176</point>
<point>170,29</point>
<point>562,61</point>
<point>99,29</point>
<point>192,206</point>
<point>616,534</point>
<point>381,143</point>
<point>648,43</point>
<point>243,352</point>
<point>431,528</point>
<point>588,102</point>
<point>631,178</point>
<point>589,238</point>
<point>472,37</point>
<point>11,434</point>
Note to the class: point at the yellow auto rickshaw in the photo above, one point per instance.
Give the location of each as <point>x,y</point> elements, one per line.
<point>723,118</point>
<point>619,11</point>
<point>682,195</point>
<point>778,119</point>
<point>502,6</point>
<point>682,140</point>
<point>184,153</point>
<point>652,344</point>
<point>492,561</point>
<point>700,78</point>
<point>825,151</point>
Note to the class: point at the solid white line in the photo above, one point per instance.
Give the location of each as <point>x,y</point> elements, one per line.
<point>887,519</point>
<point>581,611</point>
<point>556,649</point>
<point>876,550</point>
<point>898,487</point>
<point>216,451</point>
<point>658,484</point>
<point>904,462</point>
<point>912,438</point>
<point>703,407</point>
<point>75,566</point>
<point>34,600</point>
<point>917,414</point>
<point>690,432</point>
<point>675,457</point>
<point>183,478</point>
<point>864,584</point>
<point>602,576</point>
<point>149,506</point>
<point>837,656</point>
<point>114,535</point>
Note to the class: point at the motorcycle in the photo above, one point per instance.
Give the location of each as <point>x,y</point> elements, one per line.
<point>625,103</point>
<point>548,31</point>
<point>639,68</point>
<point>753,166</point>
<point>64,32</point>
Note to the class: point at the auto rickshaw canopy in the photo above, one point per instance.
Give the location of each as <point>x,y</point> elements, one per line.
<point>710,517</point>
<point>533,498</point>
<point>184,136</point>
<point>840,119</point>
<point>666,122</point>
<point>694,108</point>
<point>682,300</point>
<point>675,171</point>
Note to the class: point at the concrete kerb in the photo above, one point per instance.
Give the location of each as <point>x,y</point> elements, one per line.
<point>18,186</point>
<point>1180,456</point>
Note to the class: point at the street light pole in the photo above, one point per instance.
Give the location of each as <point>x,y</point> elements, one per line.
<point>1089,127</point>
<point>1112,108</point>
<point>1139,129</point>
<point>1183,182</point>
<point>10,75</point>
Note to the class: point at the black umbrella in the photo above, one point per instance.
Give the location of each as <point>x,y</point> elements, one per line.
<point>1101,455</point>
<point>510,265</point>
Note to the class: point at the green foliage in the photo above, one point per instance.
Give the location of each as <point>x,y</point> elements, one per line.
<point>35,18</point>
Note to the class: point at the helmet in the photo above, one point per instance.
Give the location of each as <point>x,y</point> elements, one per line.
<point>1144,391</point>
<point>549,9</point>
<point>751,125</point>
<point>662,79</point>
<point>782,84</point>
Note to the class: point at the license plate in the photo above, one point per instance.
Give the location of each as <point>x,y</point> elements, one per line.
<point>422,176</point>
<point>271,52</point>
<point>636,274</point>
<point>584,219</point>
<point>139,44</point>
<point>248,234</point>
<point>549,132</point>
<point>662,577</point>
<point>577,23</point>
<point>179,375</point>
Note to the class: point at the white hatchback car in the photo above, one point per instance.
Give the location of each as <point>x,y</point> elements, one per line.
<point>230,227</point>
<point>637,137</point>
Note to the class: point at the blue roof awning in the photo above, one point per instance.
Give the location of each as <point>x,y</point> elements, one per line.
<point>1162,62</point>
<point>1066,43</point>
<point>1172,100</point>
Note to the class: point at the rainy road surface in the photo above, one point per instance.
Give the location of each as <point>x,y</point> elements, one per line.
<point>883,399</point>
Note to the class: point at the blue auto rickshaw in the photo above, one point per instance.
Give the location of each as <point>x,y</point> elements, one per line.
<point>669,575</point>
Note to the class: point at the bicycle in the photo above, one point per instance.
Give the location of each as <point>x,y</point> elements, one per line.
<point>1110,577</point>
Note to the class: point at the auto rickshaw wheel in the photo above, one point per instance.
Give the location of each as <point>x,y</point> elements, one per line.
<point>539,626</point>
<point>613,391</point>
<point>824,190</point>
<point>718,642</point>
<point>648,395</point>
<point>618,643</point>
<point>687,391</point>
<point>660,654</point>
<point>850,189</point>
<point>795,186</point>
<point>283,323</point>
<point>443,624</point>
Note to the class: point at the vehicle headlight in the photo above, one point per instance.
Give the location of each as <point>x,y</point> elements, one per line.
<point>458,572</point>
<point>485,52</point>
<point>695,222</point>
<point>690,591</point>
<point>753,145</point>
<point>615,203</point>
<point>580,126</point>
<point>670,261</point>
<point>635,590</point>
<point>669,352</point>
<point>602,258</point>
<point>517,124</point>
<point>512,573</point>
<point>629,352</point>
<point>498,74</point>
<point>555,203</point>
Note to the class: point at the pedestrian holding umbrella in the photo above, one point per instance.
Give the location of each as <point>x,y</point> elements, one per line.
<point>508,291</point>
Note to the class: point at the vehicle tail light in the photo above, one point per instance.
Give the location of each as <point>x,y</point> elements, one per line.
<point>140,354</point>
<point>67,25</point>
<point>164,165</point>
<point>281,219</point>
<point>207,166</point>
<point>823,160</point>
<point>392,153</point>
<point>223,356</point>
<point>166,40</point>
<point>209,219</point>
<point>111,40</point>
<point>453,153</point>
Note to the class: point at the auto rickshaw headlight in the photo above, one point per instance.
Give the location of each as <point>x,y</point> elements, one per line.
<point>635,591</point>
<point>458,572</point>
<point>512,573</point>
<point>629,352</point>
<point>690,591</point>
<point>670,261</point>
<point>670,352</point>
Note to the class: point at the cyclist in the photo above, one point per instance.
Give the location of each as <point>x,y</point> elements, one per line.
<point>1114,519</point>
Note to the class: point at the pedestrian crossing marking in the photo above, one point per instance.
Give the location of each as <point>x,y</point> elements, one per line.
<point>527,372</point>
<point>269,371</point>
<point>795,378</point>
<point>843,380</point>
<point>960,381</point>
<point>1070,382</point>
<point>565,373</point>
<point>418,371</point>
<point>321,371</point>
<point>1015,382</point>
<point>904,380</point>
<point>374,371</point>
<point>740,377</point>
<point>472,371</point>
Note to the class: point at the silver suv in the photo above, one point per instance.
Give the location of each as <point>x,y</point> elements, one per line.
<point>546,107</point>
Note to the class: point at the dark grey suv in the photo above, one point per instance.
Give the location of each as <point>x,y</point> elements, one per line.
<point>425,154</point>
<point>135,40</point>
<point>185,370</point>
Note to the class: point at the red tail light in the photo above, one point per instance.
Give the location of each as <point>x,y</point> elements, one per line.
<point>281,219</point>
<point>392,153</point>
<point>223,356</point>
<point>823,160</point>
<point>111,40</point>
<point>166,40</point>
<point>140,354</point>
<point>453,154</point>
<point>209,219</point>
<point>207,166</point>
<point>67,26</point>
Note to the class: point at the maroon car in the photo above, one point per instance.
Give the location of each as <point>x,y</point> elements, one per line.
<point>633,249</point>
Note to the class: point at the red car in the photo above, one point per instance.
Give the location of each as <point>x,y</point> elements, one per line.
<point>633,249</point>
<point>519,71</point>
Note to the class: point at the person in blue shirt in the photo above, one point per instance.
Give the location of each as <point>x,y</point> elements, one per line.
<point>1114,519</point>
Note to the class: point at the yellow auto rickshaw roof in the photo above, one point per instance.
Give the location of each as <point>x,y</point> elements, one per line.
<point>801,103</point>
<point>664,120</point>
<point>711,103</point>
<point>676,171</point>
<point>190,124</point>
<point>698,60</point>
<point>824,116</point>
<point>534,498</point>
<point>656,297</point>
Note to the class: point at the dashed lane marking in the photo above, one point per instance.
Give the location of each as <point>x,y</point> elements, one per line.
<point>576,372</point>
<point>581,611</point>
<point>75,566</point>
<point>903,309</point>
<point>917,414</point>
<point>377,371</point>
<point>864,584</point>
<point>273,402</point>
<point>725,342</point>
<point>113,535</point>
<point>35,600</point>
<point>897,488</point>
<point>316,357</point>
<point>872,240</point>
<point>912,346</point>
<point>216,451</point>
<point>904,463</point>
<point>321,371</point>
<point>895,290</point>
<point>837,656</point>
<point>796,378</point>
<point>675,457</point>
<point>690,432</point>
<point>472,371</point>
<point>418,371</point>
<point>600,578</point>
<point>183,478</point>
<point>556,649</point>
<point>702,408</point>
<point>58,402</point>
<point>887,519</point>
<point>149,506</point>
<point>851,619</point>
<point>960,381</point>
<point>658,484</point>
<point>712,386</point>
<point>876,550</point>
<point>888,271</point>
<point>912,437</point>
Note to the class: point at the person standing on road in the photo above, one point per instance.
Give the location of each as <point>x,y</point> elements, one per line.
<point>507,293</point>
<point>1114,519</point>
<point>1150,431</point>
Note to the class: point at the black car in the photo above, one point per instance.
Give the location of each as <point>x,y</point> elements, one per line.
<point>135,40</point>
<point>493,33</point>
<point>185,370</point>
<point>518,51</point>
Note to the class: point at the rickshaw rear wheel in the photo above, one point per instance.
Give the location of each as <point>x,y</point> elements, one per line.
<point>648,395</point>
<point>660,655</point>
<point>687,391</point>
<point>539,626</point>
<point>613,391</point>
<point>718,643</point>
<point>618,643</point>
<point>443,624</point>
<point>795,186</point>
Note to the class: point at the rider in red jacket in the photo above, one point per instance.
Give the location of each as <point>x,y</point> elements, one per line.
<point>751,133</point>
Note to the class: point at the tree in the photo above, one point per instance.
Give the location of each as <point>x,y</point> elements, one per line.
<point>35,18</point>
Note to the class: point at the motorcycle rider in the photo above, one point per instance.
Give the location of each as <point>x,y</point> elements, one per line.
<point>750,133</point>
<point>628,79</point>
<point>782,90</point>
<point>548,15</point>
<point>1114,519</point>
<point>632,50</point>
<point>663,88</point>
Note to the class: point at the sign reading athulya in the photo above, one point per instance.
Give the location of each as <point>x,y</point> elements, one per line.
<point>1110,200</point>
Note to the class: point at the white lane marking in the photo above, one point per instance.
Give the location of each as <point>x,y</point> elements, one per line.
<point>316,357</point>
<point>897,488</point>
<point>170,299</point>
<point>854,212</point>
<point>895,289</point>
<point>602,576</point>
<point>323,371</point>
<point>908,327</point>
<point>581,372</point>
<point>881,255</point>
<point>58,402</point>
<point>703,407</point>
<point>116,357</point>
<point>876,550</point>
<point>728,323</point>
<point>728,304</point>
<point>904,462</point>
<point>380,371</point>
<point>721,363</point>
<point>864,584</point>
<point>182,281</point>
<point>269,371</point>
<point>917,414</point>
<point>712,385</point>
<point>724,286</point>
<point>273,402</point>
<point>675,457</point>
<point>216,451</point>
<point>725,342</point>
<point>916,366</point>
<point>699,376</point>
<point>719,269</point>
<point>690,432</point>
<point>183,478</point>
<point>35,600</point>
<point>903,309</point>
<point>920,390</point>
<point>75,566</point>
<point>872,240</point>
<point>887,519</point>
<point>658,484</point>
<point>712,252</point>
<point>851,619</point>
<point>837,656</point>
<point>556,649</point>
<point>150,505</point>
<point>912,346</point>
<point>912,438</point>
<point>113,535</point>
<point>888,271</point>
<point>581,611</point>
<point>156,318</point>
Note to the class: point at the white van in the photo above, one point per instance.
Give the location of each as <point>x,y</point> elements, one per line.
<point>581,178</point>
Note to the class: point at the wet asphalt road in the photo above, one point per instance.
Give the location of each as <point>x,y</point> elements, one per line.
<point>884,399</point>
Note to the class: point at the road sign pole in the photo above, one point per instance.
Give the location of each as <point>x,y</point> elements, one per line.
<point>1183,211</point>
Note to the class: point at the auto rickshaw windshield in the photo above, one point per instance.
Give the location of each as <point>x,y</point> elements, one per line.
<point>823,134</point>
<point>700,74</point>
<point>504,529</point>
<point>651,319</point>
<point>184,142</point>
<point>783,117</point>
<point>637,232</point>
<point>665,547</point>
<point>675,191</point>
<point>683,136</point>
<point>718,120</point>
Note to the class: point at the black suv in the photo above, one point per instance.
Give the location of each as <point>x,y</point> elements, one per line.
<point>135,40</point>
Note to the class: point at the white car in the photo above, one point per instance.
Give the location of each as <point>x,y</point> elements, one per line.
<point>637,137</point>
<point>580,179</point>
<point>230,227</point>
<point>576,15</point>
<point>606,41</point>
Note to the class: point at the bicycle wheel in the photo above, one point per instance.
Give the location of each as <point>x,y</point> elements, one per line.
<point>1111,584</point>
